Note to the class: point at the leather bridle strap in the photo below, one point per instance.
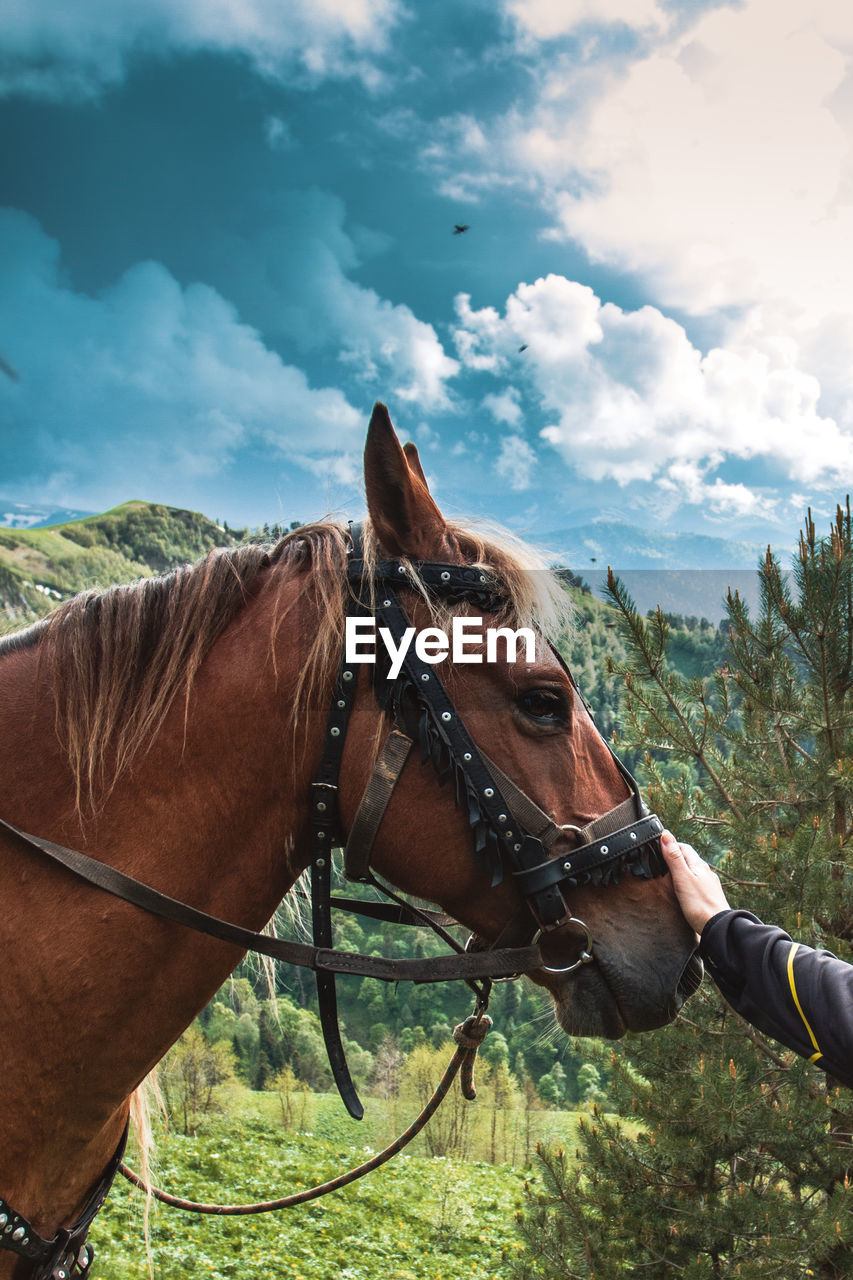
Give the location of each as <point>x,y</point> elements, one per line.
<point>429,969</point>
<point>325,824</point>
<point>606,850</point>
<point>529,816</point>
<point>359,847</point>
<point>388,914</point>
<point>365,828</point>
<point>374,802</point>
<point>603,842</point>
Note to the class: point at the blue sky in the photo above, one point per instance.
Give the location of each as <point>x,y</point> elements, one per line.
<point>226,228</point>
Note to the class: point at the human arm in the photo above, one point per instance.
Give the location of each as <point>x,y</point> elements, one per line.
<point>798,995</point>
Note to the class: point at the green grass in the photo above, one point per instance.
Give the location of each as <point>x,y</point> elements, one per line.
<point>414,1219</point>
<point>48,557</point>
<point>131,541</point>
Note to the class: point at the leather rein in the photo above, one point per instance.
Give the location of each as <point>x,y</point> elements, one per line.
<point>511,834</point>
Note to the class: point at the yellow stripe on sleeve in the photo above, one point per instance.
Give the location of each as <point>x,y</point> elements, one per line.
<point>795,946</point>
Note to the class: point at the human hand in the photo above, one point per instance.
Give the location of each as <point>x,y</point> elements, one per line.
<point>697,885</point>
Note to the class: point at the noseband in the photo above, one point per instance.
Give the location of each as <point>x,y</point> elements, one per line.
<point>512,836</point>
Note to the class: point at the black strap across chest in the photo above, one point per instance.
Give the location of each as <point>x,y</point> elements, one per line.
<point>66,1254</point>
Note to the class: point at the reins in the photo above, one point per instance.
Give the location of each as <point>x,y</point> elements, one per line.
<point>469,1035</point>
<point>320,959</point>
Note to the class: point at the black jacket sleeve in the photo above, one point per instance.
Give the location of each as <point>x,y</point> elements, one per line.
<point>797,995</point>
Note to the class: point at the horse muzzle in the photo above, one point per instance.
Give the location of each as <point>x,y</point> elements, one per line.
<point>619,989</point>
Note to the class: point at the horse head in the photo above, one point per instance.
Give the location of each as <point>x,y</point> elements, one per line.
<point>525,713</point>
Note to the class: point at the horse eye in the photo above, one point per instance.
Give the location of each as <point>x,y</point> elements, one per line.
<point>543,705</point>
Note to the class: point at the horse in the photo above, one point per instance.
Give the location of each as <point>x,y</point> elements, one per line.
<point>171,729</point>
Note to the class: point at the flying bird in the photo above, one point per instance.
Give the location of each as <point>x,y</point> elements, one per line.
<point>8,370</point>
<point>523,347</point>
<point>460,227</point>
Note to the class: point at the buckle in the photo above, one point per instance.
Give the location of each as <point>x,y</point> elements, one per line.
<point>61,1262</point>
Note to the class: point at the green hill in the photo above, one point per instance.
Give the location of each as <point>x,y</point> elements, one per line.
<point>39,567</point>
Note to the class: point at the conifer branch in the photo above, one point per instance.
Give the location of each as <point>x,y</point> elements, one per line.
<point>696,748</point>
<point>760,1043</point>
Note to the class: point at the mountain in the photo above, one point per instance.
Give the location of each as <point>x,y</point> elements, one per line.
<point>698,593</point>
<point>41,566</point>
<point>23,515</point>
<point>628,546</point>
<point>687,573</point>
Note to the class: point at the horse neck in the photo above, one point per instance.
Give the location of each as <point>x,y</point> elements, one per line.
<point>211,814</point>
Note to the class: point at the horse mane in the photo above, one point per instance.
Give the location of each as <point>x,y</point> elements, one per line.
<point>118,659</point>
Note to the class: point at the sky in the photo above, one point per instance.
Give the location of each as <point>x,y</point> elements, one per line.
<point>227,228</point>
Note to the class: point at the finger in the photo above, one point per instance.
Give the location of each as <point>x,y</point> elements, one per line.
<point>677,864</point>
<point>670,848</point>
<point>675,848</point>
<point>691,857</point>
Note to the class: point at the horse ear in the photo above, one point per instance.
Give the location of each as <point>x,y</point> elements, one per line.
<point>414,461</point>
<point>406,520</point>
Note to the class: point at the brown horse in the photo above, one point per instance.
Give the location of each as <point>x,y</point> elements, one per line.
<point>172,729</point>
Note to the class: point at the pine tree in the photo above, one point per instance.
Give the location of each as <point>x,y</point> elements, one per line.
<point>722,1153</point>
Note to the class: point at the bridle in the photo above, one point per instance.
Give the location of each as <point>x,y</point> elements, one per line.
<point>511,833</point>
<point>512,836</point>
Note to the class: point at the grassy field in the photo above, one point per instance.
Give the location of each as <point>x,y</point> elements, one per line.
<point>417,1218</point>
<point>39,567</point>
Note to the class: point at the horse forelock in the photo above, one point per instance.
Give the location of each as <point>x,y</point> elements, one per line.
<point>118,659</point>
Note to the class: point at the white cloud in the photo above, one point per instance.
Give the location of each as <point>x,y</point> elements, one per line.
<point>713,161</point>
<point>386,342</point>
<point>719,166</point>
<point>145,385</point>
<point>504,407</point>
<point>292,279</point>
<point>278,134</point>
<point>467,158</point>
<point>629,397</point>
<point>546,19</point>
<point>341,468</point>
<point>57,49</point>
<point>516,462</point>
<point>686,482</point>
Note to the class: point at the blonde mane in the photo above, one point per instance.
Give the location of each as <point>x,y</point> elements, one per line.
<point>119,659</point>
